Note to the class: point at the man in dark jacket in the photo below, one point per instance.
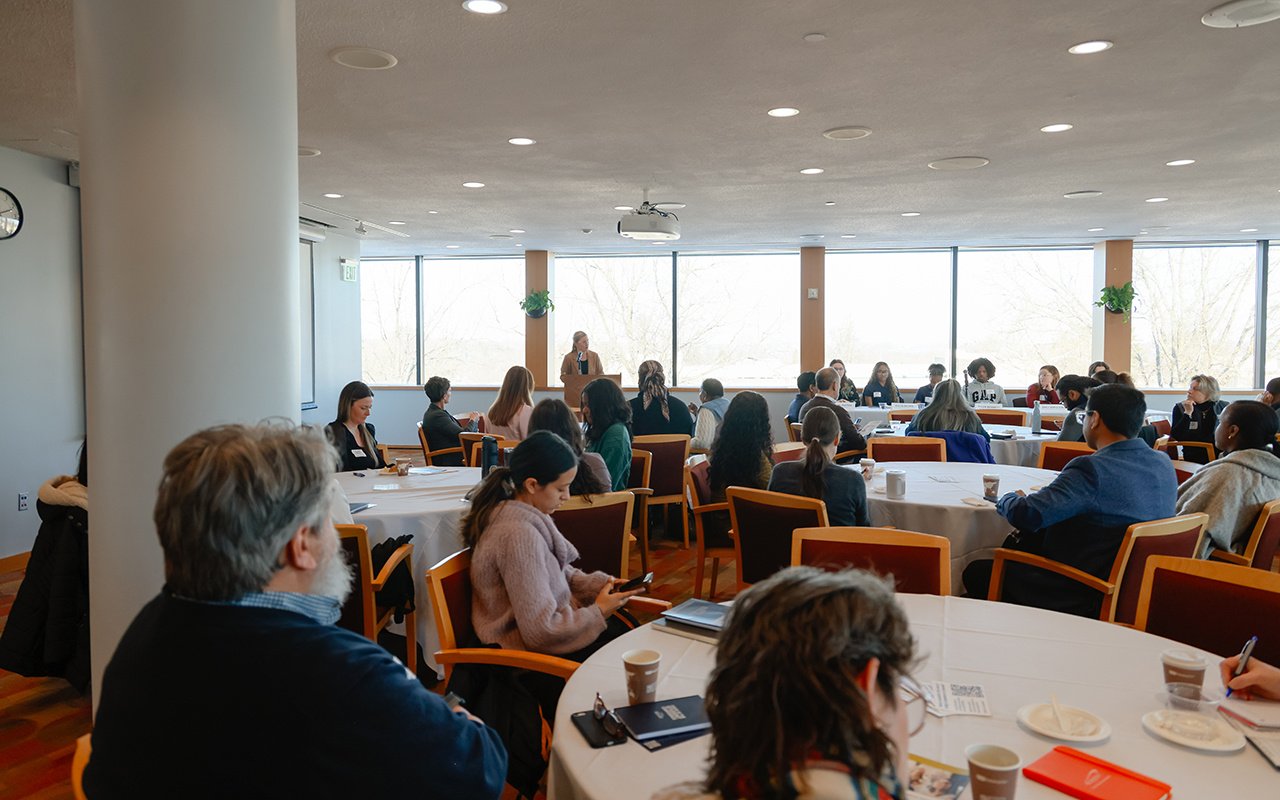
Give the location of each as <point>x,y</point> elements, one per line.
<point>827,384</point>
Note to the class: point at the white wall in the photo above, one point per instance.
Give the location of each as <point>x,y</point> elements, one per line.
<point>40,340</point>
<point>337,324</point>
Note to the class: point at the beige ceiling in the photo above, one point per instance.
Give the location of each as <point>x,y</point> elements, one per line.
<point>672,94</point>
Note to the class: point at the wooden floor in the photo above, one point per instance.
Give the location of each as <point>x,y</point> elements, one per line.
<point>41,718</point>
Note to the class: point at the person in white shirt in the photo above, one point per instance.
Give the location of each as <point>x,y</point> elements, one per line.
<point>709,414</point>
<point>979,388</point>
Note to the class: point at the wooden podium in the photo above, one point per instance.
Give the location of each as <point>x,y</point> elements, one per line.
<point>573,386</point>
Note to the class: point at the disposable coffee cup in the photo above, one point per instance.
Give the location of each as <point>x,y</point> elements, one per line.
<point>641,667</point>
<point>402,466</point>
<point>993,771</point>
<point>868,468</point>
<point>895,484</point>
<point>1183,666</point>
<point>990,486</point>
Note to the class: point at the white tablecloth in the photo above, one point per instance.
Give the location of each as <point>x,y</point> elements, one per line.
<point>429,507</point>
<point>935,504</point>
<point>1019,654</point>
<point>1023,451</point>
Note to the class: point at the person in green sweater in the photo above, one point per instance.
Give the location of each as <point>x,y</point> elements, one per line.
<point>608,418</point>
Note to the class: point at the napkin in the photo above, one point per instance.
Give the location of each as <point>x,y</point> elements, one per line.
<point>978,502</point>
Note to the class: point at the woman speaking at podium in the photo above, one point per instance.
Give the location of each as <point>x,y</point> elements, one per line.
<point>580,360</point>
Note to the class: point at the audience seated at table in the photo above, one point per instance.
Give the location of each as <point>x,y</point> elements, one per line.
<point>553,415</point>
<point>847,391</point>
<point>1271,395</point>
<point>936,373</point>
<point>881,388</point>
<point>1096,367</point>
<point>508,417</point>
<point>234,681</point>
<point>979,388</point>
<point>652,409</point>
<point>811,695</point>
<point>1106,376</point>
<point>1080,518</point>
<point>1074,391</point>
<point>707,417</point>
<point>350,433</point>
<point>1233,489</point>
<point>948,412</point>
<point>1259,681</point>
<point>440,427</point>
<point>817,476</point>
<point>608,418</point>
<point>1195,418</point>
<point>804,383</point>
<point>1044,390</point>
<point>825,397</point>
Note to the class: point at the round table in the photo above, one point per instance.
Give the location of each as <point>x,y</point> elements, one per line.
<point>1020,655</point>
<point>936,503</point>
<point>427,507</point>
<point>1021,451</point>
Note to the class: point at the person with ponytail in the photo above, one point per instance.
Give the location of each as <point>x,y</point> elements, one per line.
<point>652,411</point>
<point>817,476</point>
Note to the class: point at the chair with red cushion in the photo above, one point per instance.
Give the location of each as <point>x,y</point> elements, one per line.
<point>1056,455</point>
<point>666,476</point>
<point>1263,545</point>
<point>1000,416</point>
<point>638,485</point>
<point>920,563</point>
<point>788,451</point>
<point>763,523</point>
<point>901,448</point>
<point>599,527</point>
<point>697,480</point>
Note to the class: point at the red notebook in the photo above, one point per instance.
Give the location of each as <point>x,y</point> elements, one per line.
<point>1090,778</point>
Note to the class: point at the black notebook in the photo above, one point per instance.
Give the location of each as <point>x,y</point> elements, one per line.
<point>664,718</point>
<point>699,613</point>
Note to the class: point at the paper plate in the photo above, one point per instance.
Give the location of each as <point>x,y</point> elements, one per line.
<point>1085,726</point>
<point>1197,731</point>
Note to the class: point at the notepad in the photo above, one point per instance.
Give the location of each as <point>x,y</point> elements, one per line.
<point>664,717</point>
<point>1088,777</point>
<point>1264,714</point>
<point>699,613</point>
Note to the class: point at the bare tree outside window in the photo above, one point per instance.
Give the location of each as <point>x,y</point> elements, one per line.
<point>388,322</point>
<point>1273,311</point>
<point>472,323</point>
<point>1194,314</point>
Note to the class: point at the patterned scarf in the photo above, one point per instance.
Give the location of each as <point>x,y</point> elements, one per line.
<point>654,388</point>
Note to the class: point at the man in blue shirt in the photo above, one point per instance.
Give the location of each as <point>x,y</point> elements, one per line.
<point>234,681</point>
<point>805,383</point>
<point>1081,517</point>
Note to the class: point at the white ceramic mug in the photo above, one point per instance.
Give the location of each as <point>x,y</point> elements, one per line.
<point>895,484</point>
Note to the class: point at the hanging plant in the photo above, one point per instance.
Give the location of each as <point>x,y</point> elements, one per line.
<point>1117,299</point>
<point>537,304</point>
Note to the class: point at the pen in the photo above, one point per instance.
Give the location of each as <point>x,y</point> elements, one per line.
<point>1243,664</point>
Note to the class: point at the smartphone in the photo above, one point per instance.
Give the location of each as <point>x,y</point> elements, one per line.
<point>858,421</point>
<point>636,583</point>
<point>453,700</point>
<point>593,731</point>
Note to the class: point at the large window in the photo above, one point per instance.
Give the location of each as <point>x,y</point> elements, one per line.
<point>1023,309</point>
<point>472,324</point>
<point>388,321</point>
<point>738,318</point>
<point>623,303</point>
<point>1273,311</point>
<point>891,307</point>
<point>1194,314</point>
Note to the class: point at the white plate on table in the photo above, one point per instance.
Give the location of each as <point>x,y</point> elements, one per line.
<point>1083,726</point>
<point>1197,731</point>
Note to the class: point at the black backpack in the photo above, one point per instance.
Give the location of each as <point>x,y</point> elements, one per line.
<point>397,592</point>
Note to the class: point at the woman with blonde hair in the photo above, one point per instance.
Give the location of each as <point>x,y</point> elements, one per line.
<point>652,411</point>
<point>949,411</point>
<point>350,433</point>
<point>508,417</point>
<point>1196,418</point>
<point>581,360</point>
<point>818,476</point>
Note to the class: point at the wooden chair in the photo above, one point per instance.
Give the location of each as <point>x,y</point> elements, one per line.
<point>84,748</point>
<point>1263,545</point>
<point>1051,423</point>
<point>430,454</point>
<point>920,563</point>
<point>1161,444</point>
<point>361,613</point>
<point>502,445</point>
<point>1175,536</point>
<point>1163,427</point>
<point>698,491</point>
<point>788,451</point>
<point>1056,455</point>
<point>384,452</point>
<point>638,485</point>
<point>666,475</point>
<point>793,431</point>
<point>902,416</point>
<point>1210,605</point>
<point>763,523</point>
<point>1001,416</point>
<point>467,440</point>
<point>903,448</point>
<point>1183,470</point>
<point>599,527</point>
<point>1211,452</point>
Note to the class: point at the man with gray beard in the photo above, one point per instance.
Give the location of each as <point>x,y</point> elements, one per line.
<point>235,682</point>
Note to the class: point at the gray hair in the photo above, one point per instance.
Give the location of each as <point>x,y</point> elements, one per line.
<point>1209,385</point>
<point>949,411</point>
<point>230,499</point>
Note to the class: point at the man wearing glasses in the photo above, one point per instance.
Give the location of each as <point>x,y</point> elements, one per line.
<point>1081,517</point>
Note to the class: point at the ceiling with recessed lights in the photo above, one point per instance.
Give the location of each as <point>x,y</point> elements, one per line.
<point>674,96</point>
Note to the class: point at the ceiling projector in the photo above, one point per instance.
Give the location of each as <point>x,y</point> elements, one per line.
<point>649,224</point>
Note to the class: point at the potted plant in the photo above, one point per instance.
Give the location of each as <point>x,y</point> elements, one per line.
<point>537,304</point>
<point>1117,299</point>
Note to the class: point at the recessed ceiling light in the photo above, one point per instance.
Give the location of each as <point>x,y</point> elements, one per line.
<point>473,185</point>
<point>519,245</point>
<point>484,6</point>
<point>784,111</point>
<point>910,213</point>
<point>333,195</point>
<point>307,152</point>
<point>847,133</point>
<point>452,246</point>
<point>1096,230</point>
<point>812,237</point>
<point>501,236</point>
<point>1057,127</point>
<point>1157,199</point>
<point>1181,162</point>
<point>623,208</point>
<point>959,163</point>
<point>1157,228</point>
<point>433,212</point>
<point>1248,230</point>
<point>1083,193</point>
<point>815,37</point>
<point>363,58</point>
<point>516,230</point>
<point>830,203</point>
<point>811,171</point>
<point>848,236</point>
<point>1085,48</point>
<point>523,141</point>
<point>1242,13</point>
<point>397,222</point>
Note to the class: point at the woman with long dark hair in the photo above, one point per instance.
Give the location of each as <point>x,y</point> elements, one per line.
<point>508,417</point>
<point>350,433</point>
<point>553,415</point>
<point>742,454</point>
<point>818,476</point>
<point>881,387</point>
<point>949,411</point>
<point>608,418</point>
<point>652,410</point>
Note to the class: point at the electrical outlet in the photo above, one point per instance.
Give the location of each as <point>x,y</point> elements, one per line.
<point>22,501</point>
<point>813,294</point>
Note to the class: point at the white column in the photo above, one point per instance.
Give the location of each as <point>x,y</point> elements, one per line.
<point>189,206</point>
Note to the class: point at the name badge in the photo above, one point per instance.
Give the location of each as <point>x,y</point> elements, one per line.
<point>1044,397</point>
<point>358,453</point>
<point>875,394</point>
<point>1193,425</point>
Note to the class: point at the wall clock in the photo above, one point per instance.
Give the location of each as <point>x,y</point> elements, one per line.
<point>10,215</point>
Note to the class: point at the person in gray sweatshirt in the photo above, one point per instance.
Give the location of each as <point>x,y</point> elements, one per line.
<point>978,388</point>
<point>1233,489</point>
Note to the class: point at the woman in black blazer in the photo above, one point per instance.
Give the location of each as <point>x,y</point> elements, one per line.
<point>350,433</point>
<point>1196,418</point>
